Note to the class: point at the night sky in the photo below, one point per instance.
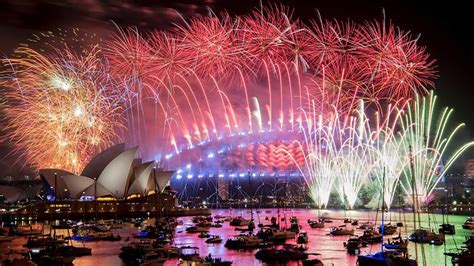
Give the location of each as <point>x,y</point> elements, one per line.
<point>446,29</point>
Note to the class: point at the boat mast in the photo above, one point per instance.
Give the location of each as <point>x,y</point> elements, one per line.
<point>250,196</point>
<point>383,205</point>
<point>55,201</point>
<point>412,168</point>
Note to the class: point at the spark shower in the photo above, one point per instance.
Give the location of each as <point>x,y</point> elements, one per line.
<point>357,99</point>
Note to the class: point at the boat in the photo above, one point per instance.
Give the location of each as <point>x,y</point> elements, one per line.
<point>386,258</point>
<point>147,232</point>
<point>275,235</point>
<point>62,225</point>
<point>96,236</point>
<point>387,229</point>
<point>35,242</point>
<point>302,238</point>
<point>280,255</point>
<point>366,225</point>
<point>340,231</point>
<point>58,254</point>
<point>69,250</point>
<point>207,261</point>
<point>315,224</point>
<point>447,229</point>
<point>134,252</point>
<point>423,235</point>
<point>25,231</point>
<point>189,253</point>
<point>46,258</point>
<point>469,224</point>
<point>371,237</point>
<point>244,242</point>
<point>204,235</point>
<point>197,229</point>
<point>152,258</point>
<point>397,243</point>
<point>214,240</point>
<point>465,257</point>
<point>469,242</point>
<point>197,219</point>
<point>238,221</point>
<point>325,220</point>
<point>216,225</point>
<point>353,245</point>
<point>250,227</point>
<point>203,224</point>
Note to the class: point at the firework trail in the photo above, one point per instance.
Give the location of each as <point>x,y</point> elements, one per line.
<point>426,138</point>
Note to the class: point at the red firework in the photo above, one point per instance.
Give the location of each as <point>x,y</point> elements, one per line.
<point>336,43</point>
<point>212,45</point>
<point>168,60</point>
<point>266,36</point>
<point>399,66</point>
<point>129,54</point>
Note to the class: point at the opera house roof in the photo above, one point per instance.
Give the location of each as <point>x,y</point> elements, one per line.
<point>113,172</point>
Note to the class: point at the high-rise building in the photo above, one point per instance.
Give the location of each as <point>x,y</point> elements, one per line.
<point>469,168</point>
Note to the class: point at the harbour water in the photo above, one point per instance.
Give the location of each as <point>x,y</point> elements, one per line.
<point>330,248</point>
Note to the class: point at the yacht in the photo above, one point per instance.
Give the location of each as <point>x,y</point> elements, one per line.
<point>426,236</point>
<point>469,224</point>
<point>340,231</point>
<point>353,245</point>
<point>316,224</point>
<point>386,258</point>
<point>371,237</point>
<point>447,229</point>
<point>238,221</point>
<point>244,242</point>
<point>214,239</point>
<point>275,235</point>
<point>152,259</point>
<point>302,238</point>
<point>388,229</point>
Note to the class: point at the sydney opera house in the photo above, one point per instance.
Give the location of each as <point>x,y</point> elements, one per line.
<point>113,184</point>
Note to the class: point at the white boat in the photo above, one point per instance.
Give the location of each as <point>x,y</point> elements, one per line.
<point>244,242</point>
<point>469,224</point>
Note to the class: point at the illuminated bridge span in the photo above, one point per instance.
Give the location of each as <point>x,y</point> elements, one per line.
<point>218,170</point>
<point>264,154</point>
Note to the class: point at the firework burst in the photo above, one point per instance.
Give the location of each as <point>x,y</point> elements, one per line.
<point>60,109</point>
<point>427,138</point>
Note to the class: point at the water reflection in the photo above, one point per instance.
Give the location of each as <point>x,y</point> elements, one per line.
<point>330,247</point>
